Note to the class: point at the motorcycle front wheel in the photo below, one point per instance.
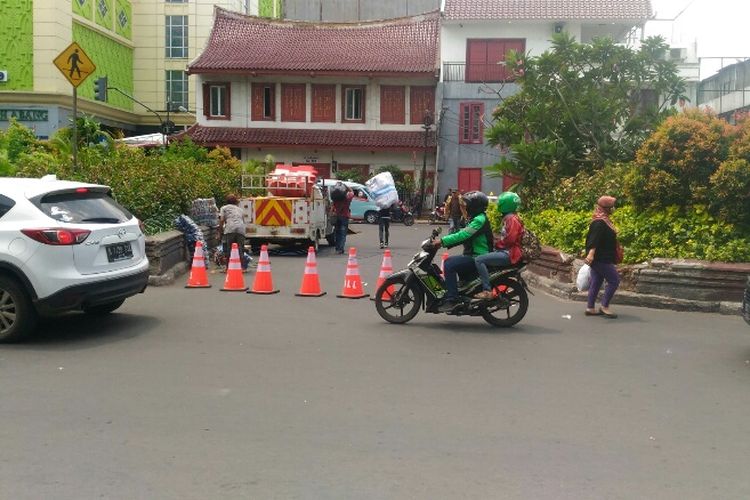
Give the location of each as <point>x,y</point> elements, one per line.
<point>398,301</point>
<point>509,305</point>
<point>408,220</point>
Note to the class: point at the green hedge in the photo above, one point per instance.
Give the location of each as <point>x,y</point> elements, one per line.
<point>645,235</point>
<point>152,185</point>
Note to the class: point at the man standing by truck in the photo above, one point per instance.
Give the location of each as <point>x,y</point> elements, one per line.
<point>342,196</point>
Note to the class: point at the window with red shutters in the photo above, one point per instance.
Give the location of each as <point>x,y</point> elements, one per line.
<point>483,56</point>
<point>421,100</point>
<point>392,104</point>
<point>264,102</point>
<point>217,100</point>
<point>471,126</point>
<point>293,102</point>
<point>324,103</point>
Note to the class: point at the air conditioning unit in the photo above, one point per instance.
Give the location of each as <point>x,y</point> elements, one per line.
<point>3,75</point>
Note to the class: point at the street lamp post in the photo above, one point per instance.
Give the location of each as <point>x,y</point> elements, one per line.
<point>426,124</point>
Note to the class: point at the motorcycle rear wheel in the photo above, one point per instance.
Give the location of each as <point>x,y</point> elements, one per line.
<point>509,306</point>
<point>401,305</point>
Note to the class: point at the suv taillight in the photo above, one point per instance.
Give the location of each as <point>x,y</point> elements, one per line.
<point>57,236</point>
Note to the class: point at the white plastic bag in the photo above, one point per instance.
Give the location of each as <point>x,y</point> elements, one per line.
<point>383,189</point>
<point>583,280</point>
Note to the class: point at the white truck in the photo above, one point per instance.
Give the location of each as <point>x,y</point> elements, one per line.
<point>285,208</point>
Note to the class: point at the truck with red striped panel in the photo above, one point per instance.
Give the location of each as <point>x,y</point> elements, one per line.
<point>285,210</point>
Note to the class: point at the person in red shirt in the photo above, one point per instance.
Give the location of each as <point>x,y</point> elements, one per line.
<point>507,246</point>
<point>341,211</point>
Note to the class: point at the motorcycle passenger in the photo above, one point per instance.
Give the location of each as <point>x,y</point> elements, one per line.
<point>507,243</point>
<point>477,240</point>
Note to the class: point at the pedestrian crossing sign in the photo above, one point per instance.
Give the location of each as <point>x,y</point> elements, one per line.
<point>74,64</point>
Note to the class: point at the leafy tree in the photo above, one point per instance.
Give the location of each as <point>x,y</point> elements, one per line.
<point>674,164</point>
<point>582,106</point>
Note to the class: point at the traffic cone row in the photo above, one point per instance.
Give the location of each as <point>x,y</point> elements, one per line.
<point>263,283</point>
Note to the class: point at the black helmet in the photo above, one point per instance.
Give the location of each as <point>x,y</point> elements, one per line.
<point>476,202</point>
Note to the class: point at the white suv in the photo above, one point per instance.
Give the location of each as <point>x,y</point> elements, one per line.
<point>64,246</point>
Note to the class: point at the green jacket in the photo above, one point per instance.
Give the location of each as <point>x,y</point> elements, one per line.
<point>476,237</point>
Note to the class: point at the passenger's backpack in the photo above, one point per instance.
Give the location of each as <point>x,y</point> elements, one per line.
<point>531,249</point>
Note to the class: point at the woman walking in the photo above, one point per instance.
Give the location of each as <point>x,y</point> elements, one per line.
<point>601,252</point>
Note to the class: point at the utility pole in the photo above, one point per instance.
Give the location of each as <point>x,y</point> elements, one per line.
<point>426,124</point>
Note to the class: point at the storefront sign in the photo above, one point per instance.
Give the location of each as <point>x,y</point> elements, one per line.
<point>24,115</point>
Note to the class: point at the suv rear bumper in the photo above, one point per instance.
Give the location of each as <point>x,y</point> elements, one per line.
<point>90,294</point>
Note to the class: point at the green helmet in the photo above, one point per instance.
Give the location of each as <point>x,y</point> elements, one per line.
<point>508,202</point>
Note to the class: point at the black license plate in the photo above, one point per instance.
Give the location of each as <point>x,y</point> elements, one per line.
<point>119,251</point>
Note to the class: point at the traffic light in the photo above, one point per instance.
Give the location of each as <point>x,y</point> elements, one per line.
<point>100,89</point>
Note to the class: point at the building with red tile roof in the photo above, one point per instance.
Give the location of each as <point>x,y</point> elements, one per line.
<point>475,37</point>
<point>335,95</point>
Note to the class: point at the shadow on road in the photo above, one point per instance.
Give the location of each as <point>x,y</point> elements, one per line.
<point>76,331</point>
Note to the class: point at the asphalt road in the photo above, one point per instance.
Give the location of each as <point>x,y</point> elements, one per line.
<point>202,394</point>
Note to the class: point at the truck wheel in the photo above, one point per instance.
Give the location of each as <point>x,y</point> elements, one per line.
<point>330,240</point>
<point>371,217</point>
<point>17,315</point>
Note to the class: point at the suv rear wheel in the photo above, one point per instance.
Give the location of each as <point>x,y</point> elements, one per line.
<point>17,316</point>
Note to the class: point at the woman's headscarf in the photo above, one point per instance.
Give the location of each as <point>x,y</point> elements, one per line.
<point>603,208</point>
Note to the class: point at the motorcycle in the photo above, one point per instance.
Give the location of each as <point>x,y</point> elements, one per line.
<point>421,285</point>
<point>401,213</point>
<point>438,214</point>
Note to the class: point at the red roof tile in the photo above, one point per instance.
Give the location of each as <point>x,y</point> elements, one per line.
<point>631,10</point>
<point>240,43</point>
<point>237,137</point>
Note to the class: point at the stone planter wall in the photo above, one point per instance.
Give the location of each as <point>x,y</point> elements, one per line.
<point>168,254</point>
<point>661,283</point>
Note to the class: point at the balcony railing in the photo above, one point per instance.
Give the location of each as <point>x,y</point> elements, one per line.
<point>475,73</point>
<point>454,71</point>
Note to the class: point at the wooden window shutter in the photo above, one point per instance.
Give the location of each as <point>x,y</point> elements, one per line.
<point>421,99</point>
<point>206,99</point>
<point>392,104</point>
<point>323,103</point>
<point>293,102</point>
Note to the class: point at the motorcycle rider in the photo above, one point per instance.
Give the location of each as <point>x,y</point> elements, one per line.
<point>507,244</point>
<point>477,240</point>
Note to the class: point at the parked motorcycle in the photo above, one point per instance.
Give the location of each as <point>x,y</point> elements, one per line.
<point>438,214</point>
<point>401,213</point>
<point>421,285</point>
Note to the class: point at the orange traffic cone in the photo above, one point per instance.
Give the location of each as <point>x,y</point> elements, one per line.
<point>263,282</point>
<point>352,282</point>
<point>234,281</point>
<point>442,263</point>
<point>386,269</point>
<point>198,277</point>
<point>310,281</point>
